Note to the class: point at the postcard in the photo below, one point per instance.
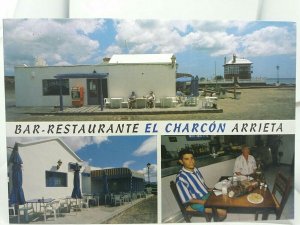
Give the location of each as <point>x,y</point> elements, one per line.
<point>149,121</point>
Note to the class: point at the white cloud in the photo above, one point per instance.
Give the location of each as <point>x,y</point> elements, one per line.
<point>76,143</point>
<point>213,37</point>
<point>147,147</point>
<point>128,163</point>
<point>269,41</point>
<point>113,49</point>
<point>55,40</point>
<point>152,172</point>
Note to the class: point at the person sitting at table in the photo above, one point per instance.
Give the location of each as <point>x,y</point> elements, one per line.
<point>191,185</point>
<point>131,100</point>
<point>245,164</point>
<point>150,99</point>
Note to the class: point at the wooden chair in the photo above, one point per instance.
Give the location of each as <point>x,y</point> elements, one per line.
<point>186,210</point>
<point>282,187</point>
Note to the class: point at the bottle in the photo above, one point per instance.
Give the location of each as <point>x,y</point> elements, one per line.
<point>224,187</point>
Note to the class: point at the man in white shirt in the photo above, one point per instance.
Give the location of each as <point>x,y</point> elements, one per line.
<point>245,164</point>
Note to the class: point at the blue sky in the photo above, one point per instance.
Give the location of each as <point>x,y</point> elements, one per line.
<point>133,152</point>
<point>198,45</point>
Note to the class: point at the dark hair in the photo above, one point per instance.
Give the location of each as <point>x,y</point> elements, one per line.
<point>183,152</point>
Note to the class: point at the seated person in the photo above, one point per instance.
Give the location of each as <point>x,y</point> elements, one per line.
<point>131,100</point>
<point>150,100</point>
<point>191,185</point>
<point>245,164</point>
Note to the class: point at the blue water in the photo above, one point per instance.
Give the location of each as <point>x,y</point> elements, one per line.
<point>281,80</point>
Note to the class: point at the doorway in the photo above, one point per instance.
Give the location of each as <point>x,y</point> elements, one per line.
<point>93,91</point>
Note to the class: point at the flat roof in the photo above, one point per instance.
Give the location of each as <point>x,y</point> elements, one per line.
<point>239,61</point>
<point>141,58</point>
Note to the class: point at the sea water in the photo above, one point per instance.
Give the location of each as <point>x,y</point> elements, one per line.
<point>281,80</point>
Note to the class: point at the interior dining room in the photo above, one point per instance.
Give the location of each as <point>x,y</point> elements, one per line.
<point>263,190</point>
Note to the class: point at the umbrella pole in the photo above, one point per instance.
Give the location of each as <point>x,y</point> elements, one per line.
<point>17,207</point>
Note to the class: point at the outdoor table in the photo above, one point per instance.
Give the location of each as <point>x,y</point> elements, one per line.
<point>39,201</point>
<point>141,102</point>
<point>116,102</point>
<point>36,201</point>
<point>238,204</point>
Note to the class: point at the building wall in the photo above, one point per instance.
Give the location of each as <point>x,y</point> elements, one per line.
<point>141,78</point>
<point>241,71</point>
<point>122,80</point>
<point>29,88</point>
<point>42,157</point>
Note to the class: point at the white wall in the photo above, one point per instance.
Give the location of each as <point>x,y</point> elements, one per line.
<point>42,157</point>
<point>288,149</point>
<point>141,78</point>
<point>29,88</point>
<point>122,80</point>
<point>211,174</point>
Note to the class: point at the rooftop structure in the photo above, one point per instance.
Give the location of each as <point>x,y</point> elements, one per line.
<point>237,68</point>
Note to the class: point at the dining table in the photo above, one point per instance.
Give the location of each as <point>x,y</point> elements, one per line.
<point>242,204</point>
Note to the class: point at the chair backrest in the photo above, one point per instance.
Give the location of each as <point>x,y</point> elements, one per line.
<point>177,197</point>
<point>282,186</point>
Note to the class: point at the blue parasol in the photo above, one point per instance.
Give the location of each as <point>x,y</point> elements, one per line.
<point>16,195</point>
<point>76,193</point>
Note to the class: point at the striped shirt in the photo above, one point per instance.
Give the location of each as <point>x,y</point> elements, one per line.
<point>190,185</point>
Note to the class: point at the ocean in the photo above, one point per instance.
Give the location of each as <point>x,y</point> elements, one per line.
<point>281,80</point>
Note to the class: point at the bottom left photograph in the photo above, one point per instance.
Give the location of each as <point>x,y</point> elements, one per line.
<point>84,180</point>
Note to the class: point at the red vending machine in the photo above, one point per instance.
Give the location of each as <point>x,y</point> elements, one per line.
<point>77,96</point>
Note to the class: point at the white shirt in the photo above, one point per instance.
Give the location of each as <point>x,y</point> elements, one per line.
<point>245,167</point>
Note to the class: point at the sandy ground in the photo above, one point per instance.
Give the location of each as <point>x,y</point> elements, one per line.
<point>145,212</point>
<point>255,104</point>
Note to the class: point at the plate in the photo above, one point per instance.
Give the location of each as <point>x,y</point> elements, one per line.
<point>255,198</point>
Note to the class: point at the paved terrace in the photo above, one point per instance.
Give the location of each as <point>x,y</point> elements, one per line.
<point>92,215</point>
<point>96,110</point>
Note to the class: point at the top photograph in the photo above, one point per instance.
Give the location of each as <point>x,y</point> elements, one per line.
<point>114,70</point>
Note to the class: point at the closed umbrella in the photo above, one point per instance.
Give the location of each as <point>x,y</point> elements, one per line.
<point>106,189</point>
<point>76,193</point>
<point>16,196</point>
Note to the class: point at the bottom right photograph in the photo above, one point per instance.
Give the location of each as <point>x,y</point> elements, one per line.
<point>230,178</point>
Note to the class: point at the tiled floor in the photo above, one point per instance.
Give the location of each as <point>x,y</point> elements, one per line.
<point>288,211</point>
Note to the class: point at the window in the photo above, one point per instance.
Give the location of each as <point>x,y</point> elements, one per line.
<point>51,87</point>
<point>56,179</point>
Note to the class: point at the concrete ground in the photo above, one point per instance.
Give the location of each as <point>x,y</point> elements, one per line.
<point>95,215</point>
<point>254,104</point>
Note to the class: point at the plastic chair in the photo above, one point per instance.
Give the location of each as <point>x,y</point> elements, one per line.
<point>52,207</point>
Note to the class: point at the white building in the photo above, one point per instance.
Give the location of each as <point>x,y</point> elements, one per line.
<point>44,176</point>
<point>38,85</point>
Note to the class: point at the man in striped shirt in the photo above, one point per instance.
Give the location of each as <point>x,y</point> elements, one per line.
<point>191,185</point>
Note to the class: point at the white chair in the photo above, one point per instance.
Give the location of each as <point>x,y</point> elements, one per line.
<point>118,199</point>
<point>26,210</point>
<point>64,205</point>
<point>52,207</point>
<point>84,202</point>
<point>107,103</point>
<point>11,209</point>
